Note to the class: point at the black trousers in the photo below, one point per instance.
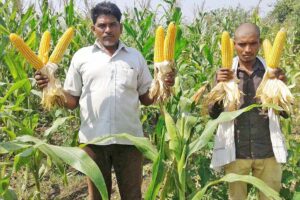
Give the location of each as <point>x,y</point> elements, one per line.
<point>127,162</point>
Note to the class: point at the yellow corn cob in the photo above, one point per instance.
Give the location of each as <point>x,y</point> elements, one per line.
<point>45,47</point>
<point>61,46</point>
<point>227,53</point>
<point>159,45</point>
<point>273,60</point>
<point>267,48</point>
<point>169,44</point>
<point>23,48</point>
<point>231,47</point>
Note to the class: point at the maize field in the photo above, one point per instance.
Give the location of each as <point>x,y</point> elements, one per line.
<point>40,157</point>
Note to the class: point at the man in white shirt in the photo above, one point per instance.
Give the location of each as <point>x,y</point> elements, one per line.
<point>107,80</point>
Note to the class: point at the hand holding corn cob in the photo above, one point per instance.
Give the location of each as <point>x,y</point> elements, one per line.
<point>53,92</point>
<point>164,64</point>
<point>226,91</point>
<point>272,89</point>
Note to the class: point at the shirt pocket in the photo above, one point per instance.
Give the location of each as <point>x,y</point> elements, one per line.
<point>127,76</point>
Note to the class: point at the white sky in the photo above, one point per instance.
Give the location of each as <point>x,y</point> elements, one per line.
<point>187,6</point>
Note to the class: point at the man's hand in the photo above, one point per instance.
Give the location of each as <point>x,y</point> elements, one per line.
<point>224,75</point>
<point>170,79</point>
<point>279,74</point>
<point>41,80</point>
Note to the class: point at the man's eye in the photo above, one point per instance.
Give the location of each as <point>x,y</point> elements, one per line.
<point>101,26</point>
<point>113,25</point>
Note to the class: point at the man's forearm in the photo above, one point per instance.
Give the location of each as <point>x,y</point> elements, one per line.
<point>71,102</point>
<point>146,99</point>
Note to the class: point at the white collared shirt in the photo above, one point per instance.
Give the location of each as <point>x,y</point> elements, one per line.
<point>109,88</point>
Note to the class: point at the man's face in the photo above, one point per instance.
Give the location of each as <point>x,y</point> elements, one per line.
<point>107,29</point>
<point>247,46</point>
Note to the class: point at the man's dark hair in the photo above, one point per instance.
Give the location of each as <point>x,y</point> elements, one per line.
<point>105,8</point>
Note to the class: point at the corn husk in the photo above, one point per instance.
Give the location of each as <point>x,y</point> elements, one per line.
<point>227,93</point>
<point>273,91</point>
<point>199,93</point>
<point>53,93</point>
<point>159,91</point>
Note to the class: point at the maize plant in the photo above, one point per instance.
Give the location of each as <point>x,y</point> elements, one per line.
<point>53,92</point>
<point>227,93</point>
<point>30,151</point>
<point>272,90</point>
<point>163,63</point>
<point>170,162</point>
<point>197,59</point>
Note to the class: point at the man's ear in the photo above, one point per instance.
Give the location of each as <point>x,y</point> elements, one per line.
<point>260,42</point>
<point>121,27</point>
<point>93,28</point>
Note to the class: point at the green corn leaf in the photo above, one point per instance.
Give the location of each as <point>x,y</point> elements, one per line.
<point>7,147</point>
<point>4,183</point>
<point>73,156</point>
<point>269,192</point>
<point>174,143</point>
<point>10,133</point>
<point>17,71</point>
<point>208,55</point>
<point>211,126</point>
<point>190,122</point>
<point>24,130</point>
<point>56,124</point>
<point>181,170</point>
<point>13,88</point>
<point>4,30</point>
<point>9,194</point>
<point>158,173</point>
<point>296,196</point>
<point>23,158</point>
<point>143,144</point>
<point>78,159</point>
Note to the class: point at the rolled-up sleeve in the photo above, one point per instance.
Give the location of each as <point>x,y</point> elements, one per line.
<point>73,82</point>
<point>144,77</point>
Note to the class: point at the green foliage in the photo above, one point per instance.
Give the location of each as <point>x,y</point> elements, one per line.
<point>170,164</point>
<point>34,140</point>
<point>31,154</point>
